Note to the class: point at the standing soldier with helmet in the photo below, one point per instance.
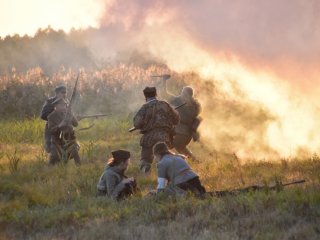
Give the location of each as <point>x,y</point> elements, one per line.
<point>60,92</point>
<point>62,136</point>
<point>156,120</point>
<point>189,117</point>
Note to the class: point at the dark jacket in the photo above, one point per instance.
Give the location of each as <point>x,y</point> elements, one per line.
<point>47,108</point>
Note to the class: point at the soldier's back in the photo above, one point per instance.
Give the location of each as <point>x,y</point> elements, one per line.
<point>160,114</point>
<point>47,108</point>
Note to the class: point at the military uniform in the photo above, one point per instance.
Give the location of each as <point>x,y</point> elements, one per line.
<point>156,120</point>
<point>189,122</point>
<point>111,185</point>
<point>46,110</point>
<point>63,139</point>
<point>174,170</point>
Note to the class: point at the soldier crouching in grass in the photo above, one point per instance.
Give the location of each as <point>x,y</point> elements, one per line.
<point>113,183</point>
<point>63,140</point>
<point>174,170</point>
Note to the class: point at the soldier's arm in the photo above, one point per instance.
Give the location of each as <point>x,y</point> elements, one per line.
<point>46,110</point>
<point>74,121</point>
<point>164,93</point>
<point>139,118</point>
<point>162,181</point>
<point>174,115</point>
<point>102,183</point>
<point>198,107</point>
<point>113,187</point>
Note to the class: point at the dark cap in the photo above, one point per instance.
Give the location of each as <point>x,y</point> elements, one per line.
<point>60,88</point>
<point>59,100</point>
<point>150,92</point>
<point>120,154</point>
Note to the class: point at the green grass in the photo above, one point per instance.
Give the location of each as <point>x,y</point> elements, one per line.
<point>42,202</point>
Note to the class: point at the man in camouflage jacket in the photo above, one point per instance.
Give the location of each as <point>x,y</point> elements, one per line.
<point>156,120</point>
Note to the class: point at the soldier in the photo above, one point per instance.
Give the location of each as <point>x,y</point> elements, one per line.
<point>174,169</point>
<point>63,140</point>
<point>113,183</point>
<point>156,120</point>
<point>189,117</point>
<point>60,92</point>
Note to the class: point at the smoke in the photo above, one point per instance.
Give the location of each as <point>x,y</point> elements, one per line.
<point>262,56</point>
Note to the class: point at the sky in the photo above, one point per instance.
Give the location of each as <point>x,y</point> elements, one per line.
<point>27,16</point>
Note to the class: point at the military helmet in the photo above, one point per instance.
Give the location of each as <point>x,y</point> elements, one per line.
<point>60,88</point>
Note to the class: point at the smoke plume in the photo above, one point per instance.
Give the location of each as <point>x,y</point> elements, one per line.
<point>262,56</point>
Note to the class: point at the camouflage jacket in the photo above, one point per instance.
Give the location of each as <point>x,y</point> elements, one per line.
<point>47,108</point>
<point>64,133</point>
<point>156,120</point>
<point>111,182</point>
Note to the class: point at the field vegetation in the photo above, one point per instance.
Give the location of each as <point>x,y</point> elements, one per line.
<point>42,202</point>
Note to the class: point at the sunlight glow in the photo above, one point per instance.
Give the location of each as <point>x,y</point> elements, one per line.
<point>26,17</point>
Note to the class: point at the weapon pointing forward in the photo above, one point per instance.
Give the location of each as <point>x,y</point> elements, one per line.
<point>177,107</point>
<point>278,186</point>
<point>92,116</point>
<point>164,76</point>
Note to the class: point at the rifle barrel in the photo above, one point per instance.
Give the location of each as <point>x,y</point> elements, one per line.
<point>93,116</point>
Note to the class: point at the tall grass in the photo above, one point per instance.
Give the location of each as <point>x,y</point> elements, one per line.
<point>39,201</point>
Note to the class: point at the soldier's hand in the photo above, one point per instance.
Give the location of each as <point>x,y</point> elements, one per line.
<point>62,124</point>
<point>127,180</point>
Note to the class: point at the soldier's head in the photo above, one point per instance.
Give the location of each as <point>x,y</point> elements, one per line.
<point>61,91</point>
<point>150,92</point>
<point>60,105</point>
<point>120,158</point>
<point>187,93</point>
<point>160,149</point>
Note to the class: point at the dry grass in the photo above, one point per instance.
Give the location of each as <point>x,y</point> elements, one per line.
<point>41,202</point>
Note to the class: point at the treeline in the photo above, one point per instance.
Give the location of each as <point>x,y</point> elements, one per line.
<point>48,49</point>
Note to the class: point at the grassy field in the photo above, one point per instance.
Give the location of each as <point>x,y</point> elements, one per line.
<point>42,202</point>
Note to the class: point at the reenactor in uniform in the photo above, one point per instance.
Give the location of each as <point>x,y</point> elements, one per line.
<point>60,92</point>
<point>156,120</point>
<point>113,183</point>
<point>63,140</point>
<point>186,130</point>
<point>174,171</point>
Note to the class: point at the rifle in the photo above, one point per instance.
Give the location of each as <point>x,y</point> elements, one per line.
<point>163,76</point>
<point>68,116</point>
<point>177,107</point>
<point>92,116</point>
<point>278,187</point>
